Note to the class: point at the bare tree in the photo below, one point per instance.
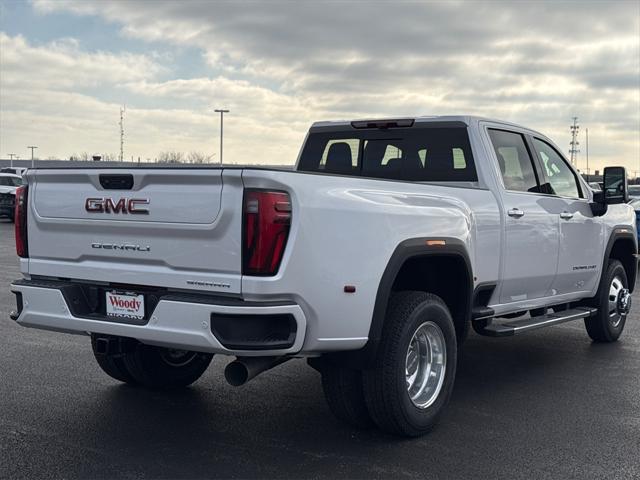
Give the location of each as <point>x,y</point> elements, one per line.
<point>199,157</point>
<point>109,157</point>
<point>170,157</point>
<point>81,157</point>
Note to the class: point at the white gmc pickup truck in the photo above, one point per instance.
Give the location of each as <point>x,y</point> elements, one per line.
<point>371,259</point>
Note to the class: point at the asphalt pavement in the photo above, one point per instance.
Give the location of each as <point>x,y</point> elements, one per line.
<point>548,404</point>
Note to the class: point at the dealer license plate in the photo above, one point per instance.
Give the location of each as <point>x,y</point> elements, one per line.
<point>123,305</point>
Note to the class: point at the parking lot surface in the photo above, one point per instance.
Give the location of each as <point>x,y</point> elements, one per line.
<point>548,404</point>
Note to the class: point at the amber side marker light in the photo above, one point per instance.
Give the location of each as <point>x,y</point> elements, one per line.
<point>436,243</point>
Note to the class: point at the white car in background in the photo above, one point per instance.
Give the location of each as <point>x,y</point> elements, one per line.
<point>634,191</point>
<point>13,170</point>
<point>9,183</point>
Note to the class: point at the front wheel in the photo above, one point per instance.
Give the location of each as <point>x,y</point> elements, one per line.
<point>614,304</point>
<point>412,379</point>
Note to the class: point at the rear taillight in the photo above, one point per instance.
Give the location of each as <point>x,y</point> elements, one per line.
<point>267,218</point>
<point>20,219</point>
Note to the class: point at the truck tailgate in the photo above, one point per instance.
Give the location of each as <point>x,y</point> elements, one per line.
<point>182,230</point>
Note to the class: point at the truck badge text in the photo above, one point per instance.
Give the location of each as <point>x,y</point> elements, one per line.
<point>122,205</point>
<point>122,246</point>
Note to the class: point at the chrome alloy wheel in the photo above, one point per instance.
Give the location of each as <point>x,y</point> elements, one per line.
<point>426,364</point>
<point>619,301</point>
<point>177,358</point>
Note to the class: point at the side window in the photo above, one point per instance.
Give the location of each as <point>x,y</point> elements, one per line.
<point>390,153</point>
<point>459,162</point>
<point>561,178</point>
<point>383,158</point>
<point>422,155</point>
<point>458,159</point>
<point>344,147</point>
<point>514,160</point>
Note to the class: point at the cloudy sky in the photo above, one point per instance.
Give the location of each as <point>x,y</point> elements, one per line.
<point>66,67</point>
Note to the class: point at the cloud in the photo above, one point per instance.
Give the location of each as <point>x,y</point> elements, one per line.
<point>50,96</point>
<point>279,39</point>
<point>280,65</point>
<point>63,64</point>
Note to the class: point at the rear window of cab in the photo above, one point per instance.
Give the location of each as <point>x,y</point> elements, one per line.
<point>433,153</point>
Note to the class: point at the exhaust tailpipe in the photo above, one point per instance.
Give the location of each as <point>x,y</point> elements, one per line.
<point>243,369</point>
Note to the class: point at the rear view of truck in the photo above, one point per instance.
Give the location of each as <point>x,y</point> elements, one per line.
<point>150,262</point>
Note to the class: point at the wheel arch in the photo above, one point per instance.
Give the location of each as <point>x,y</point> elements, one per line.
<point>411,256</point>
<point>623,246</point>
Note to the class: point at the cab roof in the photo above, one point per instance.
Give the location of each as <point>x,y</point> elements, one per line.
<point>466,119</point>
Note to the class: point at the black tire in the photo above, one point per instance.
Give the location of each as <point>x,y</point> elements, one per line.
<point>158,367</point>
<point>112,365</point>
<point>345,396</point>
<point>603,327</point>
<point>385,385</point>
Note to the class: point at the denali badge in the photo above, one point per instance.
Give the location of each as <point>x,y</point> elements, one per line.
<point>123,205</point>
<point>204,283</point>
<point>122,246</point>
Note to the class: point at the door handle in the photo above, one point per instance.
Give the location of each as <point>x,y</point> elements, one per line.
<point>566,215</point>
<point>515,212</point>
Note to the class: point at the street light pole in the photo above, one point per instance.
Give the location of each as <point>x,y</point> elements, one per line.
<point>32,162</point>
<point>222,112</point>
<point>587,133</point>
<point>11,155</point>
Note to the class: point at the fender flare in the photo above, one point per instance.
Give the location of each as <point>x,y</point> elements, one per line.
<point>406,250</point>
<point>621,232</point>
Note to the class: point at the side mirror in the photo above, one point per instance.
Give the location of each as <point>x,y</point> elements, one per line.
<point>615,185</point>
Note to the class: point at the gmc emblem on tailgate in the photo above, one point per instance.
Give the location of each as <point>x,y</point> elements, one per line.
<point>123,205</point>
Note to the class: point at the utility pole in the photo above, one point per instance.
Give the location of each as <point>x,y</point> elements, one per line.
<point>32,161</point>
<point>586,131</point>
<point>122,110</point>
<point>11,155</point>
<point>222,112</point>
<point>573,151</point>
